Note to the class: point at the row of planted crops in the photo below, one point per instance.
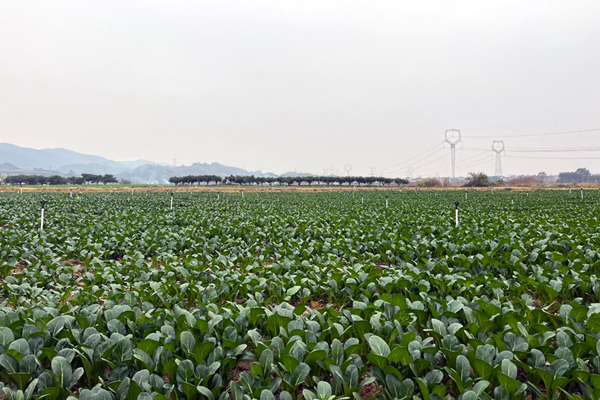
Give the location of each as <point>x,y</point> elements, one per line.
<point>290,296</point>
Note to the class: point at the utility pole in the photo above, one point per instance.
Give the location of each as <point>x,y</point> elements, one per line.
<point>498,148</point>
<point>452,137</point>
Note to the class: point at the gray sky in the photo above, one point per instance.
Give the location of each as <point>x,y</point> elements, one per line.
<point>280,85</point>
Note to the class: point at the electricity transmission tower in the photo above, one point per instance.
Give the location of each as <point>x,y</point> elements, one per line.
<point>174,162</point>
<point>331,170</point>
<point>373,171</point>
<point>410,172</point>
<point>498,148</point>
<point>348,168</point>
<point>452,137</point>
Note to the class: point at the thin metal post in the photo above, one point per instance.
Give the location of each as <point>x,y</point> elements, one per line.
<point>42,219</point>
<point>456,204</point>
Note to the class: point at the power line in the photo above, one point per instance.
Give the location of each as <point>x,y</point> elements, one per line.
<point>534,134</point>
<point>553,150</point>
<point>422,159</point>
<point>581,115</point>
<point>417,156</point>
<point>556,158</point>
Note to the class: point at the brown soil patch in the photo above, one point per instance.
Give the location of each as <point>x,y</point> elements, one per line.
<point>19,268</point>
<point>316,305</point>
<point>369,391</point>
<point>242,366</point>
<point>62,303</point>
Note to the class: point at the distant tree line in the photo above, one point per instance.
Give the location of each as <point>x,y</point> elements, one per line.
<point>195,179</point>
<point>581,175</point>
<point>60,180</point>
<point>250,180</point>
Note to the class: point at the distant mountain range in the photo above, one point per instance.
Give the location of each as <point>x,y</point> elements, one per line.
<point>15,160</point>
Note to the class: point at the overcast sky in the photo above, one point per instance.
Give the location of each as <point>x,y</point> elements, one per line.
<point>306,85</point>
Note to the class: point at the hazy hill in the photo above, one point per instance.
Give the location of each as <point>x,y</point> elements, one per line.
<point>15,160</point>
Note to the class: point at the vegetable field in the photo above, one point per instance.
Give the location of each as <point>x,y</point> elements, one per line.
<point>290,296</point>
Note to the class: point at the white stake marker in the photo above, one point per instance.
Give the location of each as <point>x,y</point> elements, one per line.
<point>581,193</point>
<point>386,202</point>
<point>171,200</point>
<point>465,194</point>
<point>42,219</point>
<point>132,190</point>
<point>362,199</point>
<point>456,204</point>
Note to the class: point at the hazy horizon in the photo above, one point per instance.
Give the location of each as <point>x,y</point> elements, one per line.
<point>280,86</point>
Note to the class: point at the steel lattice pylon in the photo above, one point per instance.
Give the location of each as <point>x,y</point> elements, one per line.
<point>498,148</point>
<point>452,137</point>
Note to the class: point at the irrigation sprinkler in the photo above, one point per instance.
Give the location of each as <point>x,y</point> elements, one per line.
<point>42,218</point>
<point>171,200</point>
<point>21,189</point>
<point>581,193</point>
<point>386,202</point>
<point>132,190</point>
<point>362,199</point>
<point>218,195</point>
<point>456,205</point>
<point>465,194</point>
<point>242,194</point>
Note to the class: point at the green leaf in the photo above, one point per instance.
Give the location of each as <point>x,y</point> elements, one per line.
<point>97,393</point>
<point>266,362</point>
<point>185,372</point>
<point>379,346</point>
<point>299,374</point>
<point>123,351</point>
<point>323,390</point>
<point>559,367</point>
<point>267,395</point>
<point>9,363</point>
<point>463,367</point>
<point>202,350</point>
<point>6,336</point>
<point>509,368</point>
<point>393,386</point>
<point>62,369</point>
<point>188,342</point>
<point>122,389</point>
<point>206,392</point>
<point>236,391</point>
<point>483,369</point>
